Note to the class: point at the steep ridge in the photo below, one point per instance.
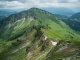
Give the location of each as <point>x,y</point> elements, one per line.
<point>16,24</point>
<point>31,34</point>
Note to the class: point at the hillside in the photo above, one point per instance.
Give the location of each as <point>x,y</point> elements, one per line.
<point>62,17</point>
<point>74,21</point>
<point>31,35</point>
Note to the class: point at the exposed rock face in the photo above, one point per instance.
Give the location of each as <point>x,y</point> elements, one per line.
<point>64,51</point>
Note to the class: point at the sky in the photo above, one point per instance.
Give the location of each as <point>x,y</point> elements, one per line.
<point>21,4</point>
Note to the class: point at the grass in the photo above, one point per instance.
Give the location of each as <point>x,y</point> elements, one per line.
<point>6,51</point>
<point>7,47</point>
<point>60,31</point>
<point>19,55</point>
<point>42,55</point>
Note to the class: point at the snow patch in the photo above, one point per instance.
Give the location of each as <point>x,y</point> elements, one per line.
<point>45,37</point>
<point>54,43</point>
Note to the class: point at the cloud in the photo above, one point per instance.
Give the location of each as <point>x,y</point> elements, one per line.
<point>67,1</point>
<point>60,1</point>
<point>18,4</point>
<point>10,5</point>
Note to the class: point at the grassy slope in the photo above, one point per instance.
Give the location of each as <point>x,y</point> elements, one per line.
<point>7,48</point>
<point>60,31</point>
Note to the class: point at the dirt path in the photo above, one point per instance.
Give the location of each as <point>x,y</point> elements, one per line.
<point>53,43</point>
<point>41,55</point>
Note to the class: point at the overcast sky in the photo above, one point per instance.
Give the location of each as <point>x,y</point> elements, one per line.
<point>18,4</point>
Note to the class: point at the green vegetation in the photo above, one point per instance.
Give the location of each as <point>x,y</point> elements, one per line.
<point>27,36</point>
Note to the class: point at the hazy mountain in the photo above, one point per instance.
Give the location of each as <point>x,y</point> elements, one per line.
<point>74,21</point>
<point>62,17</point>
<point>60,11</point>
<point>32,34</point>
<point>2,17</point>
<point>5,13</point>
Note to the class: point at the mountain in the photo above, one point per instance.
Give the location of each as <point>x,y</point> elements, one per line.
<point>5,13</point>
<point>74,21</point>
<point>2,17</point>
<point>32,34</point>
<point>16,24</point>
<point>62,17</point>
<point>60,10</point>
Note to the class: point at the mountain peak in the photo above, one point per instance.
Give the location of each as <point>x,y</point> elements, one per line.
<point>34,8</point>
<point>37,10</point>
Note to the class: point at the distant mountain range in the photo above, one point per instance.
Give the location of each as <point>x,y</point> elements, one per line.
<point>5,13</point>
<point>60,10</point>
<point>55,10</point>
<point>73,21</point>
<point>2,17</point>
